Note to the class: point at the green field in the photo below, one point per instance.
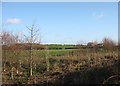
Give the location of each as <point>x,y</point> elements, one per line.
<point>59,46</point>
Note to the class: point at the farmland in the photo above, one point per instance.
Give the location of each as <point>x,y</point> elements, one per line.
<point>59,43</point>
<point>61,60</point>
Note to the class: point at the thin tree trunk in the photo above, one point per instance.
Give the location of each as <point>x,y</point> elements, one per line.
<point>12,76</point>
<point>31,40</point>
<point>47,59</point>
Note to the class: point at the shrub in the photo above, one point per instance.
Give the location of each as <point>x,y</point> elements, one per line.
<point>109,44</point>
<point>41,68</point>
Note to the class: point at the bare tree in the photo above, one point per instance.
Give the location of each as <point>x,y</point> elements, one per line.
<point>33,30</point>
<point>6,40</point>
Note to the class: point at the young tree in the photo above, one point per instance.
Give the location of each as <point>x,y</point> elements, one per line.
<point>33,30</point>
<point>6,40</point>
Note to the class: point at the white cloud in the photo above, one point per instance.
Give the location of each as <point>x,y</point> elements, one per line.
<point>14,21</point>
<point>98,15</point>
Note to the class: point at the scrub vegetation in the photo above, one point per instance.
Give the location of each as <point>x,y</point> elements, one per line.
<point>27,62</point>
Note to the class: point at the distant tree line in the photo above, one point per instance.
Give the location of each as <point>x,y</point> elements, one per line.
<point>10,41</point>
